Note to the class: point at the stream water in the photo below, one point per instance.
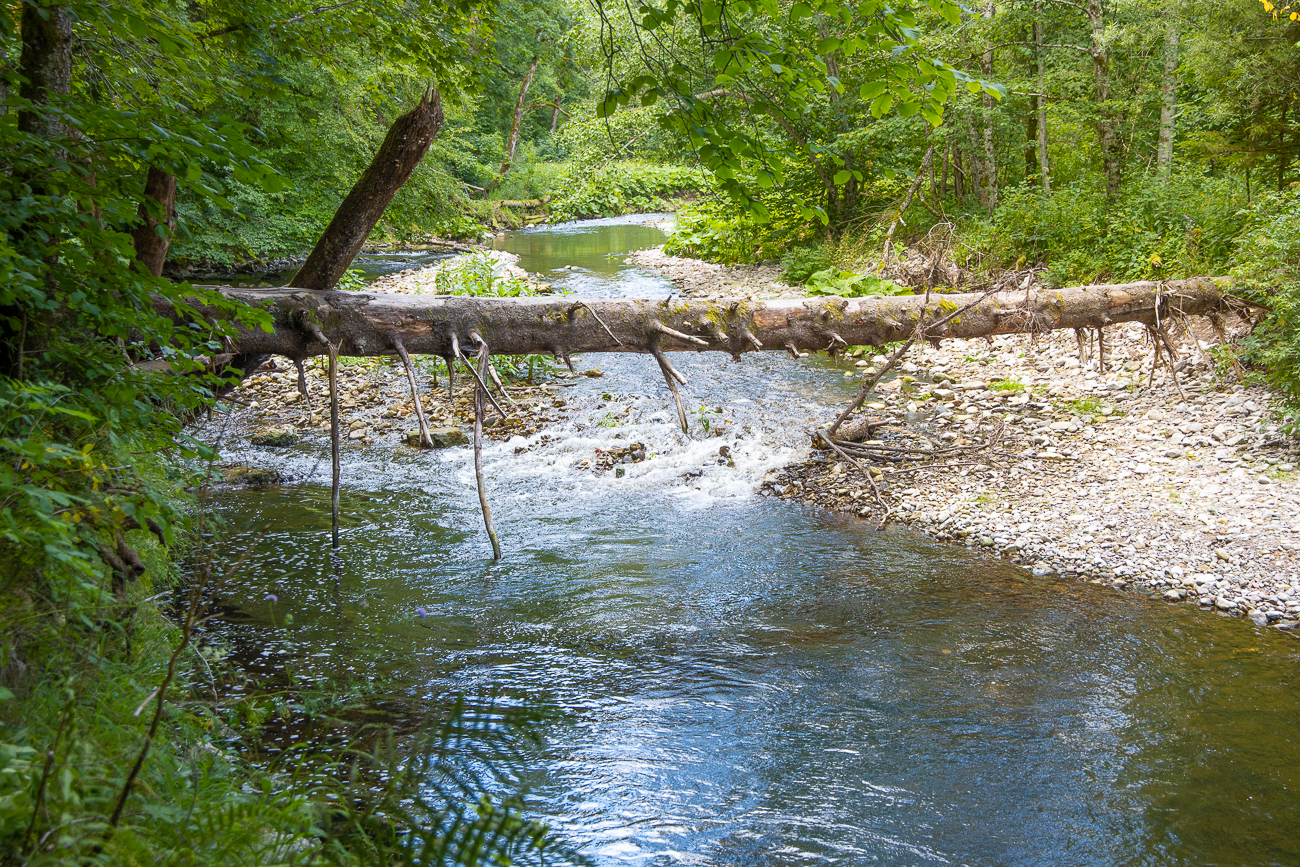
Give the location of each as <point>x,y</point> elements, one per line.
<point>750,682</point>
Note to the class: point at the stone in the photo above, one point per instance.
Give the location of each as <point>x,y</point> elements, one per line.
<point>593,373</point>
<point>1175,595</point>
<point>252,477</point>
<point>442,437</point>
<point>1259,618</point>
<point>446,437</point>
<point>277,437</point>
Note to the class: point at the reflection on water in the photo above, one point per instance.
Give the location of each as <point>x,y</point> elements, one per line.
<point>750,682</point>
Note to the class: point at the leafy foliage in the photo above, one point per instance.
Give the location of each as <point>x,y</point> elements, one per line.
<point>620,188</point>
<point>1268,269</point>
<point>847,284</point>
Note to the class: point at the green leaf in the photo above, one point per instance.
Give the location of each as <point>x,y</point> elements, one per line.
<point>842,177</point>
<point>800,11</point>
<point>873,89</point>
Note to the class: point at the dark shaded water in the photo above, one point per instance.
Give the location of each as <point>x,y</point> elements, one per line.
<point>750,682</point>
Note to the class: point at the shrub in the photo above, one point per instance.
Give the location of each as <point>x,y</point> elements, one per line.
<point>800,263</point>
<point>1267,269</point>
<point>622,188</point>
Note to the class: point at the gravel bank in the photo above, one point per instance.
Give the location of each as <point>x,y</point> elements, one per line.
<point>1191,495</point>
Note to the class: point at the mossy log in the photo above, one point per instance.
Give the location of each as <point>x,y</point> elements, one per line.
<point>373,324</point>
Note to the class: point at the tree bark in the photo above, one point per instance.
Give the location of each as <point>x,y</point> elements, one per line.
<point>45,66</point>
<point>1168,101</point>
<point>405,145</point>
<point>512,141</point>
<point>1106,122</point>
<point>978,173</point>
<point>45,70</point>
<point>943,175</point>
<point>372,324</point>
<point>159,198</point>
<point>1044,168</point>
<point>1031,142</point>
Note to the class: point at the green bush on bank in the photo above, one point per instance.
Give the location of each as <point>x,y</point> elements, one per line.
<point>1266,269</point>
<point>622,188</point>
<point>718,230</point>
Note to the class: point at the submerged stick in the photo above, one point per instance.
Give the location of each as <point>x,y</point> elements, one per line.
<point>334,444</point>
<point>479,409</point>
<point>425,439</point>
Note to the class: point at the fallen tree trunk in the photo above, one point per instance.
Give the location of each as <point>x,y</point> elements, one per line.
<point>370,324</point>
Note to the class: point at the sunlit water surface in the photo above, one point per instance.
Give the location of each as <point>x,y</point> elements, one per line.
<point>749,682</point>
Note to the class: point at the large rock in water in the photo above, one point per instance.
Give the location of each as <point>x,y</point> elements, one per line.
<point>250,477</point>
<point>442,437</point>
<point>284,435</point>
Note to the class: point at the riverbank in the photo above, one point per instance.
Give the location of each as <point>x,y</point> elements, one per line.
<point>1104,474</point>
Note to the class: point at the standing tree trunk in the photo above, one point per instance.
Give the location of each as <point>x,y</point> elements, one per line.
<point>1283,155</point>
<point>958,180</point>
<point>943,175</point>
<point>1031,141</point>
<point>45,70</point>
<point>45,67</point>
<point>989,181</point>
<point>1044,168</point>
<point>512,141</point>
<point>152,236</point>
<point>977,175</point>
<point>407,141</point>
<point>1106,122</point>
<point>1168,101</point>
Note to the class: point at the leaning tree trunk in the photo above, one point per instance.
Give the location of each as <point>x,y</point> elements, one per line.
<point>152,236</point>
<point>405,145</point>
<point>512,141</point>
<point>375,324</point>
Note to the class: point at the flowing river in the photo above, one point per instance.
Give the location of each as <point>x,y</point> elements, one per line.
<point>750,682</point>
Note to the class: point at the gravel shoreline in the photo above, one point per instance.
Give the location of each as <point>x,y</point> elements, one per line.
<point>1107,475</point>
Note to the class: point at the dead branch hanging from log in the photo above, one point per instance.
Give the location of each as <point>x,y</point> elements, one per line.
<point>334,444</point>
<point>425,440</point>
<point>484,361</point>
